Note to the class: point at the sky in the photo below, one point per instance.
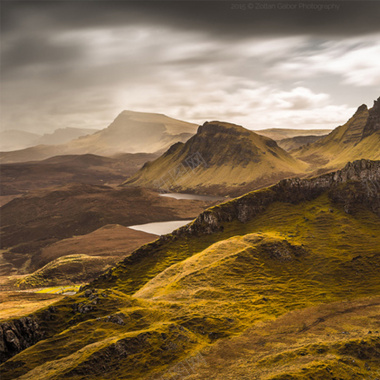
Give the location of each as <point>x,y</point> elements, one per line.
<point>260,64</point>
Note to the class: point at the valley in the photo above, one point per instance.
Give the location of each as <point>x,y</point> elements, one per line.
<point>300,257</point>
<point>227,254</point>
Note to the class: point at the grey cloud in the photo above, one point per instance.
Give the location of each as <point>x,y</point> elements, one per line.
<point>57,71</point>
<point>217,17</point>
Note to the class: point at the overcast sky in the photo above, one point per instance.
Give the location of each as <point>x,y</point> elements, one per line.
<point>80,63</point>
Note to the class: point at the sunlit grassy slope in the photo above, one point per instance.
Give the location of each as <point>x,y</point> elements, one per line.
<point>232,160</point>
<point>189,293</point>
<point>346,143</point>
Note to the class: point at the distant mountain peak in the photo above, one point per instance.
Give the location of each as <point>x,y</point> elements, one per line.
<point>362,108</point>
<point>373,121</point>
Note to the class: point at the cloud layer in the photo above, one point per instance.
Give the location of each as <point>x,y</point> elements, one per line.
<point>81,63</point>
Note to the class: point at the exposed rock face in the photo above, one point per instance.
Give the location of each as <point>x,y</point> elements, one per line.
<point>373,121</point>
<point>17,335</point>
<point>219,127</point>
<point>221,159</point>
<point>364,175</point>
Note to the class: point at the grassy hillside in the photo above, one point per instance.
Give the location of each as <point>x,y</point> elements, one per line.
<point>45,217</point>
<point>276,264</point>
<point>82,258</point>
<point>358,138</point>
<point>221,158</point>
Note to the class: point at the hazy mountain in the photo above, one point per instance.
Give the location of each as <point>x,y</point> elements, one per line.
<point>282,283</point>
<point>221,158</point>
<point>16,139</point>
<point>358,138</point>
<point>130,132</point>
<point>11,140</point>
<point>64,135</point>
<point>278,134</point>
<point>296,142</point>
<point>135,132</point>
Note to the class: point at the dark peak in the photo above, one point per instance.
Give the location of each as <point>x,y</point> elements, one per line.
<point>173,148</point>
<point>215,127</point>
<point>373,121</point>
<point>362,108</point>
<point>376,106</point>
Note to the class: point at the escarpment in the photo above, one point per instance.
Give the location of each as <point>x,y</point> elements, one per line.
<point>363,175</point>
<point>18,334</point>
<point>357,183</point>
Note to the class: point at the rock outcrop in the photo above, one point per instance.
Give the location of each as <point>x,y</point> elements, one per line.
<point>364,175</point>
<point>17,335</point>
<point>373,121</point>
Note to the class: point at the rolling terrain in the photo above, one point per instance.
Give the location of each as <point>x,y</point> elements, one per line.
<point>82,258</point>
<point>222,159</point>
<point>130,132</point>
<point>278,134</point>
<point>20,178</point>
<point>279,283</point>
<point>18,140</point>
<point>34,222</point>
<point>296,142</point>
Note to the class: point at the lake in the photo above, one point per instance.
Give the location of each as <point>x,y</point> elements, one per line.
<point>195,197</point>
<point>160,228</point>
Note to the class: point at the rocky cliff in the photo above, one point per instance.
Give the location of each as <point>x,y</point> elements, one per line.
<point>373,121</point>
<point>363,176</point>
<point>17,335</point>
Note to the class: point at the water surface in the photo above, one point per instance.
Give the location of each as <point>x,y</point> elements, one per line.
<point>160,228</point>
<point>195,197</point>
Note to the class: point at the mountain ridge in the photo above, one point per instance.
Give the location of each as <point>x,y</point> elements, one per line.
<point>230,160</point>
<point>358,138</point>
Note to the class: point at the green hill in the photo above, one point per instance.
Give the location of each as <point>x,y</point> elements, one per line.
<point>252,273</point>
<point>221,159</point>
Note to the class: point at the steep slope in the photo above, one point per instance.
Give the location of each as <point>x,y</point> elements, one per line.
<point>358,138</point>
<point>221,159</point>
<point>130,132</point>
<point>176,305</point>
<point>18,178</point>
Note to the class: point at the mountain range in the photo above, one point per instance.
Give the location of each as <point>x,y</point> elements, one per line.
<point>358,138</point>
<point>17,139</point>
<point>222,158</point>
<point>130,132</point>
<point>232,160</point>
